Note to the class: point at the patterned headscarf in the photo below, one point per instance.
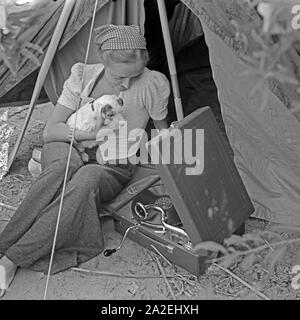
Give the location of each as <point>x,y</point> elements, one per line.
<point>119,37</point>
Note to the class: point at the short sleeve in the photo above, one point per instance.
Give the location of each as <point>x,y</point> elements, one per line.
<point>156,95</point>
<point>70,96</point>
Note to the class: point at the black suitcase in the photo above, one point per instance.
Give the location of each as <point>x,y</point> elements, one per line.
<point>211,201</point>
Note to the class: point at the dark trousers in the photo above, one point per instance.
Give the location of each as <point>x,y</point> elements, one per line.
<point>27,239</point>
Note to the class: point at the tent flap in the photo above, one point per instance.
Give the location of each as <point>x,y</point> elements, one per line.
<point>266,142</point>
<point>81,13</point>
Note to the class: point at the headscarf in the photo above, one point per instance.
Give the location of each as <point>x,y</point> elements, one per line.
<point>119,37</point>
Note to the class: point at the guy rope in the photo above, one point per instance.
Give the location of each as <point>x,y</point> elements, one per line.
<point>69,155</point>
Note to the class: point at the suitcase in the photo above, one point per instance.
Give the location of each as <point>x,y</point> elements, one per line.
<point>208,194</point>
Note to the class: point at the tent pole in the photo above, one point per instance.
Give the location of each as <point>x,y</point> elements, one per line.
<point>57,34</point>
<point>111,11</point>
<point>170,57</point>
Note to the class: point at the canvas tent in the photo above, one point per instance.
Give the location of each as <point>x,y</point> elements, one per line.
<point>265,143</point>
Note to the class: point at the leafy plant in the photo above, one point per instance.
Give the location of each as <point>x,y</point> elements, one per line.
<point>273,42</point>
<point>18,23</point>
<point>267,246</point>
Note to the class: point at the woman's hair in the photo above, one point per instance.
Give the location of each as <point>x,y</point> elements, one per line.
<point>123,56</point>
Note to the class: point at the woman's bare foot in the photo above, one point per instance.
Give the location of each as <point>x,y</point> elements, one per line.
<point>7,272</point>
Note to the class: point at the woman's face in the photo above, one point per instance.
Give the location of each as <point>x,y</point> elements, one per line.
<point>120,75</point>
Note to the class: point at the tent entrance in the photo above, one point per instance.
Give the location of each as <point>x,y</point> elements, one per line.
<point>196,83</point>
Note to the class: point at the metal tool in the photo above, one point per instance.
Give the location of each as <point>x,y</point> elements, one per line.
<point>142,215</point>
<point>109,252</point>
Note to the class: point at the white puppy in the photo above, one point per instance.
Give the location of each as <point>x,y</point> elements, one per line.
<point>102,110</point>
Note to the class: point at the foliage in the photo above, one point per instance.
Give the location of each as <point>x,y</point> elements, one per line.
<point>267,247</point>
<point>277,46</point>
<point>18,24</point>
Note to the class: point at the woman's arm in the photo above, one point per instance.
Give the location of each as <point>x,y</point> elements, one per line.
<point>57,130</point>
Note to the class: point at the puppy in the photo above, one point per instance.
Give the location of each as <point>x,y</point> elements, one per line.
<point>96,112</point>
<point>102,112</point>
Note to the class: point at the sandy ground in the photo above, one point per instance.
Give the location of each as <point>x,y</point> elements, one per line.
<point>128,274</point>
<point>131,260</point>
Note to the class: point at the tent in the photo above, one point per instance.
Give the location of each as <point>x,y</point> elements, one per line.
<point>265,143</point>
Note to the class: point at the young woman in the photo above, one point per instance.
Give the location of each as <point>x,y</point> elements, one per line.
<point>27,239</point>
